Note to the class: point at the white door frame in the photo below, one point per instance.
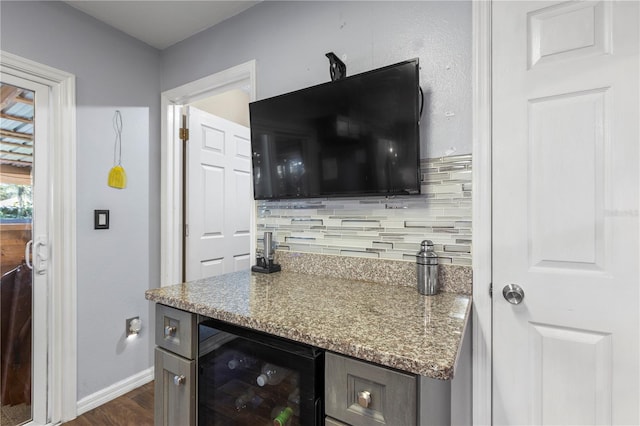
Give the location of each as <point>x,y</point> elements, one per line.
<point>481,251</point>
<point>171,222</point>
<point>62,357</point>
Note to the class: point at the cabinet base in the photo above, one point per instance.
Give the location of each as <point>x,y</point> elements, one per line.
<point>266,270</point>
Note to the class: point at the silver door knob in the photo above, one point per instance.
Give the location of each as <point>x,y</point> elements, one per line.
<point>179,380</point>
<point>364,399</point>
<point>170,330</point>
<point>513,293</point>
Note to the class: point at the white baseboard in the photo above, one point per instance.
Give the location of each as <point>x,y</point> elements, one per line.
<point>109,393</point>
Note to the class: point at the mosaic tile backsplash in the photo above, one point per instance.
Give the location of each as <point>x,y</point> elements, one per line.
<point>381,227</point>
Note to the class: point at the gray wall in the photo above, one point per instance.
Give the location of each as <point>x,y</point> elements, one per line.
<point>288,40</point>
<point>114,71</point>
<point>115,266</point>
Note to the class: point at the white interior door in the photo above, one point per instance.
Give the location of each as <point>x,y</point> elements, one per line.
<point>565,212</point>
<point>219,196</point>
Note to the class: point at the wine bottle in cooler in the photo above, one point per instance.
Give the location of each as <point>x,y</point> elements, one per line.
<point>242,401</point>
<point>272,375</point>
<point>281,416</point>
<point>241,361</point>
<point>248,399</point>
<point>293,401</point>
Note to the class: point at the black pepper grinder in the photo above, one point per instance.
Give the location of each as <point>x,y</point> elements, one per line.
<point>427,269</point>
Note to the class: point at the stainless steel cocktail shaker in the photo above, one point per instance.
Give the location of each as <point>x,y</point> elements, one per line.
<point>427,269</point>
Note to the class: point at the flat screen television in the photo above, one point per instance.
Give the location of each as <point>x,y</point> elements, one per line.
<point>357,136</point>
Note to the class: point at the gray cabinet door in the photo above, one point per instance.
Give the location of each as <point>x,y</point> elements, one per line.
<point>364,394</point>
<point>175,390</point>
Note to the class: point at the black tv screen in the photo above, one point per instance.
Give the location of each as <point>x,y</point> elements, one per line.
<point>351,137</point>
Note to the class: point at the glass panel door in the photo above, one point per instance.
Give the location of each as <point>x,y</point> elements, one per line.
<point>249,378</point>
<point>24,337</point>
<point>16,226</point>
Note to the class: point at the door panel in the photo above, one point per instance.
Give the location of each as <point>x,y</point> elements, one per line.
<point>211,267</point>
<point>568,30</point>
<point>575,367</point>
<point>219,196</point>
<point>242,262</point>
<point>242,222</point>
<point>566,145</point>
<point>24,362</point>
<point>565,212</point>
<point>212,195</point>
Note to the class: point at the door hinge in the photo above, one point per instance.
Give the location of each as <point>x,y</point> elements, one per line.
<point>491,290</point>
<point>184,134</point>
<point>186,230</point>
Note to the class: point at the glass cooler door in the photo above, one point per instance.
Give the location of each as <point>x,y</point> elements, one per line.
<point>250,378</point>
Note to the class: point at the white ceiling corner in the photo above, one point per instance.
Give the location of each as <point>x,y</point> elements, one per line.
<point>161,23</point>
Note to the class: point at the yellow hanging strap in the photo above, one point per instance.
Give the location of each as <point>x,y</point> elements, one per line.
<point>117,175</point>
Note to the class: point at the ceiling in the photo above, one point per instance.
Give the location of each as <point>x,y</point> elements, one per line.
<point>157,23</point>
<point>161,23</point>
<point>16,128</point>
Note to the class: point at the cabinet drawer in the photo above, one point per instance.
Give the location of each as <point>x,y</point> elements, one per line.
<point>360,393</point>
<point>175,390</point>
<point>176,331</point>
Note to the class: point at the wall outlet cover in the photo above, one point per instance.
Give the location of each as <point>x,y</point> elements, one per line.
<point>132,326</point>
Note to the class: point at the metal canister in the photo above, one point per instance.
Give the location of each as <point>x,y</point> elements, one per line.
<point>427,269</point>
<point>268,246</point>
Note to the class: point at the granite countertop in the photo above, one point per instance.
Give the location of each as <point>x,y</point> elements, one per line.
<point>390,325</point>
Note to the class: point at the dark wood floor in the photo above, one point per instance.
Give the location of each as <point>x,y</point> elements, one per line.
<point>134,408</point>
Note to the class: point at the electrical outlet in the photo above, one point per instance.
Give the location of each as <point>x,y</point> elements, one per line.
<point>133,326</point>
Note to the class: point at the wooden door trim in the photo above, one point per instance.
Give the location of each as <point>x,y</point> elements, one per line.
<point>171,220</point>
<point>481,251</point>
<point>62,387</point>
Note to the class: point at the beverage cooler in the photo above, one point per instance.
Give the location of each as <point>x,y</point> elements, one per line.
<point>251,378</point>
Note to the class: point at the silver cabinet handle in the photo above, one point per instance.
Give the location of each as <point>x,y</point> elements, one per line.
<point>513,293</point>
<point>179,380</point>
<point>170,330</point>
<point>364,399</point>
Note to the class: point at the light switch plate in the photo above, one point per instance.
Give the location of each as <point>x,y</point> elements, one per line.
<point>101,219</point>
